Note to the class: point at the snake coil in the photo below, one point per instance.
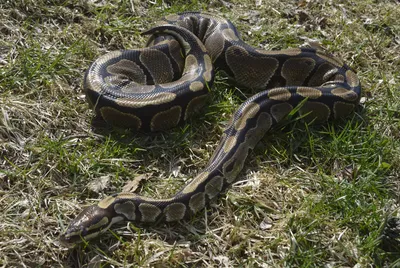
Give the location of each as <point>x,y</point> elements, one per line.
<point>160,86</point>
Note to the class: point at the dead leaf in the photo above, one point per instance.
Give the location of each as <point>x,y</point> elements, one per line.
<point>176,170</point>
<point>347,173</point>
<point>99,184</point>
<point>266,224</point>
<point>132,185</point>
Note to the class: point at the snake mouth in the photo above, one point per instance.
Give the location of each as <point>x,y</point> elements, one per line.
<point>67,242</point>
<point>73,237</point>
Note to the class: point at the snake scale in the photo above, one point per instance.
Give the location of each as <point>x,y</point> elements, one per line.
<point>160,86</point>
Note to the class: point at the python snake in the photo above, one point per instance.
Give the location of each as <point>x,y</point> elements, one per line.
<point>160,86</point>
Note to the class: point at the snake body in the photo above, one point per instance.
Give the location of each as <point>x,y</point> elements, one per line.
<point>160,86</point>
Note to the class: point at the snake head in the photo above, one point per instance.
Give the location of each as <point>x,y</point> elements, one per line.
<point>88,224</point>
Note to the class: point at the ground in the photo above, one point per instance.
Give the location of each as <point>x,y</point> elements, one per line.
<point>309,195</point>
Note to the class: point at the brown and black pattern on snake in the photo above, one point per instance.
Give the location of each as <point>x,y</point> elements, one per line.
<point>155,88</point>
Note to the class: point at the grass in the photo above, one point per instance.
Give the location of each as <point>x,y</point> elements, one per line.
<point>309,195</point>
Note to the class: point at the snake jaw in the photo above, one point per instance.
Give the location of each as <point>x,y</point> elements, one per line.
<point>88,224</point>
